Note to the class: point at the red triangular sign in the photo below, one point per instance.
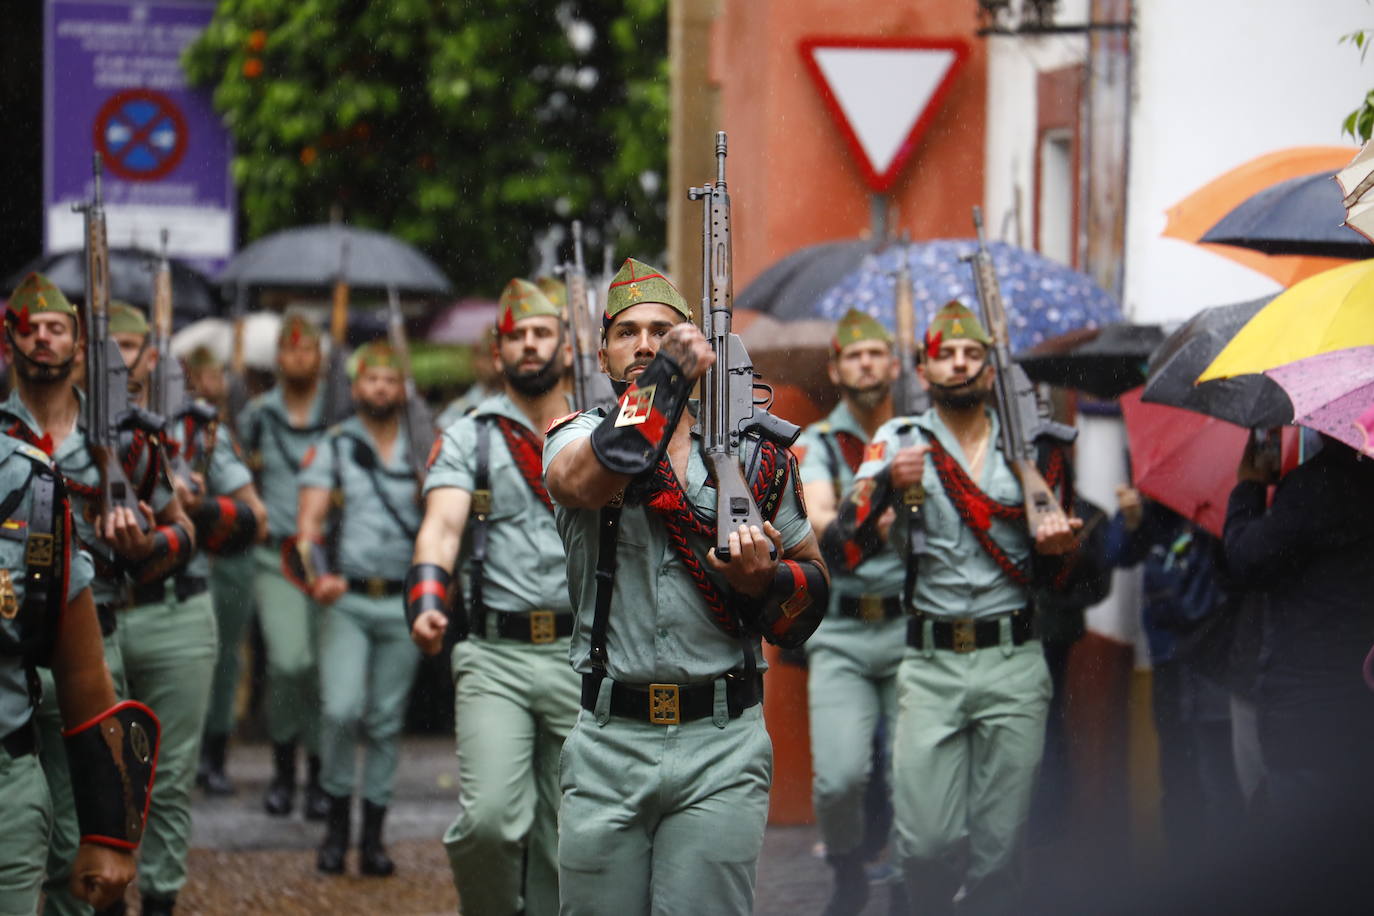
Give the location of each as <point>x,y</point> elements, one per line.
<point>883,93</point>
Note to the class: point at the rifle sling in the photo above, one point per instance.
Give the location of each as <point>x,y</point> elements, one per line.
<point>481,513</point>
<point>915,533</point>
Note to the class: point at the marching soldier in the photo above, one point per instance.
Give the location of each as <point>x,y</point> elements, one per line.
<point>277,428</point>
<point>665,776</point>
<point>973,689</point>
<point>41,341</point>
<point>232,568</point>
<point>516,697</point>
<point>852,658</point>
<point>367,663</point>
<point>48,618</point>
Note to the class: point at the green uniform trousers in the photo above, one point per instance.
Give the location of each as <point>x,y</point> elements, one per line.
<point>662,819</point>
<point>367,666</point>
<point>26,812</point>
<point>851,684</point>
<point>231,586</point>
<point>970,732</point>
<point>291,631</point>
<point>66,834</point>
<point>514,704</point>
<point>169,650</point>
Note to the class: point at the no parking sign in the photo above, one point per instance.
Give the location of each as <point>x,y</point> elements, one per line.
<point>114,85</point>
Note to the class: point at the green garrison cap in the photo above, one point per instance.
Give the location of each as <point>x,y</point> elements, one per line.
<point>127,319</point>
<point>202,357</point>
<point>954,321</point>
<point>35,294</point>
<point>856,326</point>
<point>376,354</point>
<point>521,299</point>
<point>296,327</point>
<point>555,289</point>
<point>637,283</point>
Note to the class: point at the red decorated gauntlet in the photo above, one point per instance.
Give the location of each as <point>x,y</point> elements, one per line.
<point>635,433</point>
<point>173,547</point>
<point>113,760</point>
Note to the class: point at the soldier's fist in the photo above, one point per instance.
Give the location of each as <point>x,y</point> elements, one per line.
<point>428,632</point>
<point>685,346</point>
<point>909,466</point>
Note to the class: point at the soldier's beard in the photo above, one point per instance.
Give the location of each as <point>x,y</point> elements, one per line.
<point>964,395</point>
<point>40,373</point>
<point>379,412</point>
<point>536,382</point>
<point>867,398</point>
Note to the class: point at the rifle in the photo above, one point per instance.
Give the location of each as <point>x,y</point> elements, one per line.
<point>908,397</point>
<point>167,386</point>
<point>591,388</point>
<point>1024,419</point>
<point>338,398</point>
<point>728,409</point>
<point>416,419</point>
<point>236,379</point>
<point>107,407</point>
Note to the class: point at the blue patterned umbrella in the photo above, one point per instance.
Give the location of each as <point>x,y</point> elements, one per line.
<point>1043,298</point>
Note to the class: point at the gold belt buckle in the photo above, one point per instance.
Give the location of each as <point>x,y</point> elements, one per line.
<point>965,638</point>
<point>543,627</point>
<point>481,502</point>
<point>38,550</point>
<point>376,587</point>
<point>871,609</point>
<point>663,704</point>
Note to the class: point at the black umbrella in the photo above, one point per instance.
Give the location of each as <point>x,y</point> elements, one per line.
<point>310,256</point>
<point>1105,362</point>
<point>132,272</point>
<point>1254,401</point>
<point>1303,216</point>
<point>789,289</point>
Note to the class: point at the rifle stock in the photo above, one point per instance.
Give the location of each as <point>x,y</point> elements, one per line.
<point>167,394</point>
<point>908,397</point>
<point>338,399</point>
<point>416,418</point>
<point>1023,419</point>
<point>727,409</point>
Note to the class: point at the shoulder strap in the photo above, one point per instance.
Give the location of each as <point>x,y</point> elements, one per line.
<point>832,462</point>
<point>912,498</point>
<point>481,513</point>
<point>372,471</point>
<point>605,580</point>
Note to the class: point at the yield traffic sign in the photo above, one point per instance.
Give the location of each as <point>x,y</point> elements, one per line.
<point>883,94</point>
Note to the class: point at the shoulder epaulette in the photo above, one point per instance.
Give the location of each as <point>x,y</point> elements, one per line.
<point>562,420</point>
<point>821,426</point>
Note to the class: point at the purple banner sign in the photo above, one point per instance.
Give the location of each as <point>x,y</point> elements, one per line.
<point>114,85</point>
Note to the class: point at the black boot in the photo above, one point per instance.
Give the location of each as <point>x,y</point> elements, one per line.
<point>316,800</point>
<point>336,829</point>
<point>850,891</point>
<point>158,906</point>
<point>899,904</point>
<point>281,792</point>
<point>211,776</point>
<point>372,857</point>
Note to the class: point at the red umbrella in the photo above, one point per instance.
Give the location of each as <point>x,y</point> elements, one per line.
<point>1186,460</point>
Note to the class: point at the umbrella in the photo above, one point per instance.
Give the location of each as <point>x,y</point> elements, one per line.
<point>1105,362</point>
<point>1355,180</point>
<point>1043,298</point>
<point>466,321</point>
<point>1330,311</point>
<point>790,288</point>
<point>1186,460</point>
<point>1190,218</point>
<point>1254,401</point>
<point>1299,216</point>
<point>260,331</point>
<point>1334,394</point>
<point>310,256</point>
<point>131,272</point>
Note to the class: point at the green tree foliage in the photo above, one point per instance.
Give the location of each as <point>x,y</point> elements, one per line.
<point>465,128</point>
<point>1360,122</point>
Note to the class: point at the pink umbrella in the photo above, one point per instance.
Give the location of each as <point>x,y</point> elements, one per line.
<point>1334,394</point>
<point>466,321</point>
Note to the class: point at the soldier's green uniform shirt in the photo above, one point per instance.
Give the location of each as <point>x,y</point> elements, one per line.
<point>881,574</point>
<point>75,462</point>
<point>225,474</point>
<point>380,516</point>
<point>529,574</point>
<point>956,576</point>
<point>660,629</point>
<point>267,432</point>
<point>17,463</point>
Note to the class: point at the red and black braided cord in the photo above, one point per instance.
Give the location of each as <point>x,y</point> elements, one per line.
<point>528,455</point>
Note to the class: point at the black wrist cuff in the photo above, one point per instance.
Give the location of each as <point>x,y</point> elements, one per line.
<point>635,433</point>
<point>112,759</point>
<point>426,589</point>
<point>173,547</point>
<point>225,526</point>
<point>795,603</point>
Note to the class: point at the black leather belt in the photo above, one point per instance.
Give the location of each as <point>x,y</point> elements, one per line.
<point>671,704</point>
<point>871,608</point>
<point>20,742</point>
<point>377,587</point>
<point>967,634</point>
<point>186,587</point>
<point>537,627</point>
